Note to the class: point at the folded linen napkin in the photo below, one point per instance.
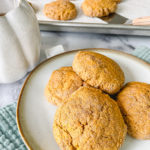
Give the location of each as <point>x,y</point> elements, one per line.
<point>9,134</point>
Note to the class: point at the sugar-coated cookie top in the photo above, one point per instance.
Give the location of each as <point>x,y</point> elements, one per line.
<point>134,102</point>
<point>89,120</point>
<point>60,10</point>
<point>99,71</point>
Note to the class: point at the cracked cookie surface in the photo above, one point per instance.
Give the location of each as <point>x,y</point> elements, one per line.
<point>62,83</point>
<point>60,10</point>
<point>134,102</point>
<point>99,8</point>
<point>99,71</point>
<point>89,120</point>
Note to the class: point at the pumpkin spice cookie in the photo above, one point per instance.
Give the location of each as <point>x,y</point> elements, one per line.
<point>99,71</point>
<point>89,120</point>
<point>60,10</point>
<point>99,8</point>
<point>134,102</point>
<point>117,1</point>
<point>63,82</point>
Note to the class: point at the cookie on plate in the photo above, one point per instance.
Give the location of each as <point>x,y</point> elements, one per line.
<point>89,120</point>
<point>117,1</point>
<point>63,82</point>
<point>60,10</point>
<point>99,71</point>
<point>99,8</point>
<point>134,102</point>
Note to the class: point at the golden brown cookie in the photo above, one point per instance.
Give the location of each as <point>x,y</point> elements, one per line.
<point>63,82</point>
<point>117,1</point>
<point>86,85</point>
<point>134,102</point>
<point>98,71</point>
<point>99,8</point>
<point>60,10</point>
<point>89,120</point>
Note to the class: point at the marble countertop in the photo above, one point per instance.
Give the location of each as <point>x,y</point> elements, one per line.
<point>9,92</point>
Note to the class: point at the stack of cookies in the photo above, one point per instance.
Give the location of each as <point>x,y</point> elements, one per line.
<point>87,117</point>
<point>65,10</point>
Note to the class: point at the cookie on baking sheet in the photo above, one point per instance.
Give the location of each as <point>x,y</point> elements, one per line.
<point>60,10</point>
<point>99,8</point>
<point>134,102</point>
<point>89,120</point>
<point>99,71</point>
<point>63,82</point>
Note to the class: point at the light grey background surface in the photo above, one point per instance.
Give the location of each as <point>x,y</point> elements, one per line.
<point>10,92</point>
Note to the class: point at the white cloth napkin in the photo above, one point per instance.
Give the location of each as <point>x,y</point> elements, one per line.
<point>7,5</point>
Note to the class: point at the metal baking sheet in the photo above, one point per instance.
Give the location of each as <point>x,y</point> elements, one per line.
<point>95,28</point>
<point>83,23</point>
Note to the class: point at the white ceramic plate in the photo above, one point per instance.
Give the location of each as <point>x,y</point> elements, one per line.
<point>35,115</point>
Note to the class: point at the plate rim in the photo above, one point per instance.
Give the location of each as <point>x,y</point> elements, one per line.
<point>45,61</point>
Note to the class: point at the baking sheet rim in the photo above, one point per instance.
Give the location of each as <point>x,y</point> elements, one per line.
<point>98,25</point>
